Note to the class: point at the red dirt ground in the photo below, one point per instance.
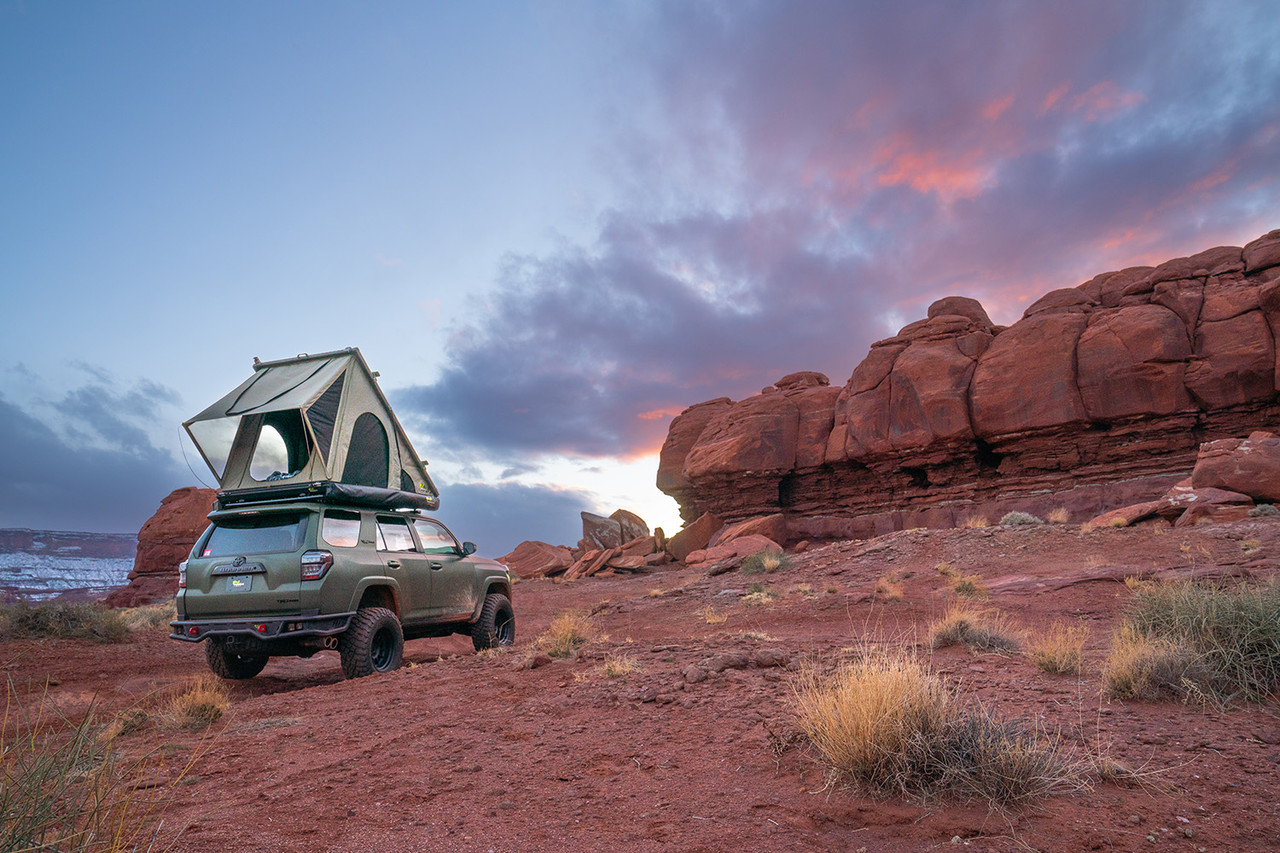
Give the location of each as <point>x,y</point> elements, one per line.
<point>459,752</point>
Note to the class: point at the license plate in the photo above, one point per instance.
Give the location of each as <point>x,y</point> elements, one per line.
<point>240,583</point>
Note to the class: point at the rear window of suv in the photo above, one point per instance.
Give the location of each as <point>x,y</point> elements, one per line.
<point>259,534</point>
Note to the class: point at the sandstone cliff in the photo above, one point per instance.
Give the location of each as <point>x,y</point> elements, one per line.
<point>1098,397</point>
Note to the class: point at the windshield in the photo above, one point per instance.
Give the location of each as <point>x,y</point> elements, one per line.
<point>259,534</point>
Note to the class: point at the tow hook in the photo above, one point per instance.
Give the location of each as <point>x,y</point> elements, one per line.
<point>330,642</point>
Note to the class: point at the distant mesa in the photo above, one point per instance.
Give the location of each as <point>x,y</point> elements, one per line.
<point>1098,398</point>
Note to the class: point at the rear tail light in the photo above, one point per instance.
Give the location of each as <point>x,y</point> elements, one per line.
<point>182,575</point>
<point>315,564</point>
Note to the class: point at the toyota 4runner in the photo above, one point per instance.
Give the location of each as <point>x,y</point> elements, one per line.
<point>296,577</point>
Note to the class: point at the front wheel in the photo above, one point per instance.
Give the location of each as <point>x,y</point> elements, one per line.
<point>373,642</point>
<point>230,665</point>
<point>496,625</point>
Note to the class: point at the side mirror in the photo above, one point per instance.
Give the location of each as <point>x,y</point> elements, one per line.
<point>468,548</point>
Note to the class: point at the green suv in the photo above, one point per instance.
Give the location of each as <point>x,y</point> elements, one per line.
<point>294,577</point>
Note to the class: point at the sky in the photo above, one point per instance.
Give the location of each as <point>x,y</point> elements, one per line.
<point>553,225</point>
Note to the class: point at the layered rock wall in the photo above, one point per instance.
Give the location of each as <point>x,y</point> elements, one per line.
<point>1099,396</point>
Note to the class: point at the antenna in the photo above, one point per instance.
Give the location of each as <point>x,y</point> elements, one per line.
<point>183,448</point>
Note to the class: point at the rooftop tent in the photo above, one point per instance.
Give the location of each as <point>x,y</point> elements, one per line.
<point>309,421</point>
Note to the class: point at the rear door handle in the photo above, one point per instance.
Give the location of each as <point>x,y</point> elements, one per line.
<point>393,564</point>
<point>437,565</point>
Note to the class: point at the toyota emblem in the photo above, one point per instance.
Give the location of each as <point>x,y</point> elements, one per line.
<point>238,562</point>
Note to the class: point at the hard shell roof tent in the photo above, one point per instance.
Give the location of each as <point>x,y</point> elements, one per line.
<point>311,426</point>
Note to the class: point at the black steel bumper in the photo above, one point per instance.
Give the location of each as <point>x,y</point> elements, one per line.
<point>273,628</point>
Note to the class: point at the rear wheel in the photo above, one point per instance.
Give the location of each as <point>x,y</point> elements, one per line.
<point>496,625</point>
<point>374,642</point>
<point>230,665</point>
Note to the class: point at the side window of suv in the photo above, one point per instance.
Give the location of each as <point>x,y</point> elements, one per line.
<point>434,537</point>
<point>341,528</point>
<point>394,535</point>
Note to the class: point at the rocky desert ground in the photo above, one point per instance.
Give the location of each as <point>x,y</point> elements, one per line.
<point>674,730</point>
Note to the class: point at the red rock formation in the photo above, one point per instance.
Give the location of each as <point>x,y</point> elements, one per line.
<point>164,541</point>
<point>1099,397</point>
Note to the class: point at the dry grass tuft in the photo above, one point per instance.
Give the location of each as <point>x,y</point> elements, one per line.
<point>970,586</point>
<point>150,617</point>
<point>196,703</point>
<point>1263,511</point>
<point>887,723</point>
<point>617,667</point>
<point>1232,631</point>
<point>765,562</point>
<point>1118,522</point>
<point>1060,650</point>
<point>712,616</point>
<point>1059,515</point>
<point>974,522</point>
<point>656,592</point>
<point>979,629</point>
<point>1140,666</point>
<point>65,787</point>
<point>124,723</point>
<point>567,633</point>
<point>758,597</point>
<point>889,587</point>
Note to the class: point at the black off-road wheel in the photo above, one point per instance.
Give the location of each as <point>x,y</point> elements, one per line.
<point>373,642</point>
<point>496,625</point>
<point>230,665</point>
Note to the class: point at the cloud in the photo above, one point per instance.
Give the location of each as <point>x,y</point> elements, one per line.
<point>796,179</point>
<point>52,483</point>
<point>500,517</point>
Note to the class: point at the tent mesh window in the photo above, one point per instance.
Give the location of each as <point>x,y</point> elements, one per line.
<point>281,448</point>
<point>368,453</point>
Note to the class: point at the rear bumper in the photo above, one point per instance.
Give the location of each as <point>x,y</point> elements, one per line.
<point>273,628</point>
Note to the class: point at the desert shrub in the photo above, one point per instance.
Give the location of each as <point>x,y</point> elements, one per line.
<point>196,703</point>
<point>150,617</point>
<point>885,722</point>
<point>567,633</point>
<point>1060,650</point>
<point>765,562</point>
<point>1235,630</point>
<point>1058,515</point>
<point>1263,510</point>
<point>62,621</point>
<point>977,628</point>
<point>1016,519</point>
<point>1140,666</point>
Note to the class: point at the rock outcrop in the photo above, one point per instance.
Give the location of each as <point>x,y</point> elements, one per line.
<point>164,541</point>
<point>1099,397</point>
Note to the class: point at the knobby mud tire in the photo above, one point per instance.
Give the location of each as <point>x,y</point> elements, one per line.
<point>496,625</point>
<point>230,665</point>
<point>374,642</point>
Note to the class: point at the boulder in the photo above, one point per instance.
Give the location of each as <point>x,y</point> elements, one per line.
<point>694,537</point>
<point>599,532</point>
<point>1262,253</point>
<point>1250,466</point>
<point>738,549</point>
<point>534,559</point>
<point>631,525</point>
<point>772,527</point>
